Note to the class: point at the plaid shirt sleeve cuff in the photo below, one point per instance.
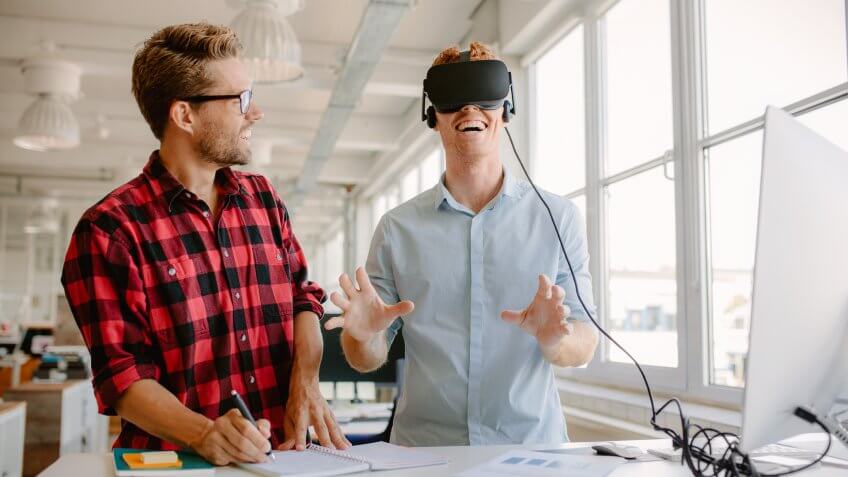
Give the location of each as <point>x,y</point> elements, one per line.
<point>109,389</point>
<point>309,304</point>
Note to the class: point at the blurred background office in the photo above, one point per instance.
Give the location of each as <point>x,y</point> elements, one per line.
<point>646,113</point>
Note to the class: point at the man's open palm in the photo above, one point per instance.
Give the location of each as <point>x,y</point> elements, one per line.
<point>546,316</point>
<point>364,312</point>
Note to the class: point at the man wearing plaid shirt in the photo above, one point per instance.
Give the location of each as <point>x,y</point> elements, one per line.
<point>187,282</point>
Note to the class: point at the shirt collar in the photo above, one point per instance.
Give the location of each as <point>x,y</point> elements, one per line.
<point>169,188</point>
<point>509,188</point>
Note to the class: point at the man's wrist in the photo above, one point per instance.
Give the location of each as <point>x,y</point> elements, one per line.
<point>197,432</point>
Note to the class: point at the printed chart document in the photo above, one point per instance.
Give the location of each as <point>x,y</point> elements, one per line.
<point>318,461</point>
<point>520,463</point>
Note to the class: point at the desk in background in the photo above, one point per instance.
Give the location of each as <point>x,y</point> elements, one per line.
<point>61,418</point>
<point>12,425</point>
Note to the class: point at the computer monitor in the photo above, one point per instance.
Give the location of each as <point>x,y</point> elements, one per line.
<point>798,348</point>
<point>334,366</point>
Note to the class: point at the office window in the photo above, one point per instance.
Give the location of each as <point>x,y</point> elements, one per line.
<point>409,186</point>
<point>559,164</point>
<point>642,286</point>
<point>335,255</point>
<point>431,169</point>
<point>761,52</point>
<point>800,52</point>
<point>641,282</point>
<point>638,79</point>
<point>379,206</point>
<point>392,198</point>
<point>733,187</point>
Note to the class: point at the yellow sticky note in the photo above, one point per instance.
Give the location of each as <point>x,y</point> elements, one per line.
<point>134,461</point>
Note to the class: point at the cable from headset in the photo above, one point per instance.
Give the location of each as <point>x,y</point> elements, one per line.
<point>697,457</point>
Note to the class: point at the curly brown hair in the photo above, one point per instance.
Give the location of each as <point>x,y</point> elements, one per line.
<point>479,51</point>
<point>172,64</point>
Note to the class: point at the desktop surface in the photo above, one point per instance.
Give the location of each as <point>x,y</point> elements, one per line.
<point>460,458</point>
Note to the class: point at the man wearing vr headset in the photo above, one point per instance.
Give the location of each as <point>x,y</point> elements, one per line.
<point>466,252</point>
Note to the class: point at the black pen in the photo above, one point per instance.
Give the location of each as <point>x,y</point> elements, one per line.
<point>245,412</point>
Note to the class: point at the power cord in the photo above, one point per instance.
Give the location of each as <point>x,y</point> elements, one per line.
<point>696,455</point>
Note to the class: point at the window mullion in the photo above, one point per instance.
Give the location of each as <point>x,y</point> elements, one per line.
<point>687,51</point>
<point>594,140</point>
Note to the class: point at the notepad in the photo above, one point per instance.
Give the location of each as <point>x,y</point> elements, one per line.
<point>318,461</point>
<point>128,463</point>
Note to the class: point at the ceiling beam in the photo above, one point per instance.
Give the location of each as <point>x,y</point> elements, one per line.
<point>378,24</point>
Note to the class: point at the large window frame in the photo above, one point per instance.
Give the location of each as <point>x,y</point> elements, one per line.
<point>691,143</point>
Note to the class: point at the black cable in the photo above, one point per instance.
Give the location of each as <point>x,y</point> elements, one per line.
<point>698,458</point>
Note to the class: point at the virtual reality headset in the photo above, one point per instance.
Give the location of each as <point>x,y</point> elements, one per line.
<point>486,84</point>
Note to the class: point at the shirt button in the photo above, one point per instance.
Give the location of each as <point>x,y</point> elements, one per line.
<point>226,253</point>
<point>172,271</point>
<point>279,256</point>
<point>206,213</point>
<point>238,295</point>
<point>251,379</point>
<point>243,337</point>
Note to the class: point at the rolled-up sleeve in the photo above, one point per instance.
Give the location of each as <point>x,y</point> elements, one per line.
<point>106,295</point>
<point>381,272</point>
<point>307,295</point>
<point>573,235</point>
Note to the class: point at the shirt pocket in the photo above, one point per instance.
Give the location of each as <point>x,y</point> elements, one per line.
<point>178,313</point>
<point>274,275</point>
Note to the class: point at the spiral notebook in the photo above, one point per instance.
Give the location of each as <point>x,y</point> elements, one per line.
<point>318,461</point>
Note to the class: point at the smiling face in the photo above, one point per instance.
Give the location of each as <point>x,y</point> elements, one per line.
<point>470,134</point>
<point>223,133</point>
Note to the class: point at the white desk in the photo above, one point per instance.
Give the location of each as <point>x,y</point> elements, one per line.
<point>461,458</point>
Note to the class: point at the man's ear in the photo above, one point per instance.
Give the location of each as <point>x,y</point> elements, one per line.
<point>183,116</point>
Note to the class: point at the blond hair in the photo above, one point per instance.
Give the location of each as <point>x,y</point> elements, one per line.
<point>172,64</point>
<point>479,51</point>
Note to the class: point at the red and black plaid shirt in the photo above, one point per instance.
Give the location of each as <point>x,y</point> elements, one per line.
<point>163,290</point>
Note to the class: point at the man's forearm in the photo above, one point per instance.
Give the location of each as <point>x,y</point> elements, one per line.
<point>575,349</point>
<point>150,406</point>
<point>309,346</point>
<point>365,356</point>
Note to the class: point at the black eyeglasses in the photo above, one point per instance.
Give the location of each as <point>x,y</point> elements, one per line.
<point>244,99</point>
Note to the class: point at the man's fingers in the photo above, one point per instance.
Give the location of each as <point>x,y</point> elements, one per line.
<point>511,316</point>
<point>544,290</point>
<point>336,434</point>
<point>239,446</point>
<point>340,301</point>
<point>558,293</point>
<point>300,428</point>
<point>264,428</point>
<point>402,308</point>
<point>224,452</point>
<point>323,436</point>
<point>334,322</point>
<point>347,285</point>
<point>286,445</point>
<point>254,434</point>
<point>363,281</point>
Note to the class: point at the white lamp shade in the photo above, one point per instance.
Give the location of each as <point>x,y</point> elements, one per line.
<point>48,123</point>
<point>271,50</point>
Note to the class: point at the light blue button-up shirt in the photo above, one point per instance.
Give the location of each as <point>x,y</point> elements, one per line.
<point>470,377</point>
